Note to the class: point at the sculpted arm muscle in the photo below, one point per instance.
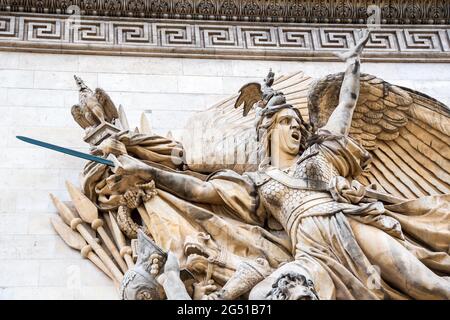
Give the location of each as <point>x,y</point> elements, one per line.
<point>340,120</point>
<point>185,186</point>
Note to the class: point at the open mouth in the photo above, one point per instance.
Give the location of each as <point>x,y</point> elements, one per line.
<point>295,135</point>
<point>193,249</point>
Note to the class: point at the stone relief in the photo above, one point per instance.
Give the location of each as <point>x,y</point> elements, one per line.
<point>336,188</point>
<point>312,11</point>
<point>223,39</point>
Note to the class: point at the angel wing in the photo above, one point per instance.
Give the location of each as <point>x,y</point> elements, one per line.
<point>249,95</point>
<point>407,132</point>
<point>109,108</point>
<point>221,137</point>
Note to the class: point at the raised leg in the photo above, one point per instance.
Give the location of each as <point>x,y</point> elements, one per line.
<point>398,266</point>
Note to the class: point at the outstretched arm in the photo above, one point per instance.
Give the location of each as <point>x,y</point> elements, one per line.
<point>184,186</point>
<point>340,120</point>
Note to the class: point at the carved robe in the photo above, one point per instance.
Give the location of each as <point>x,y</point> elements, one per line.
<point>330,234</point>
<point>205,238</point>
<point>214,239</point>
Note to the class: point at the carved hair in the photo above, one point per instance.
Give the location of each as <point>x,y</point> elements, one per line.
<point>265,129</point>
<point>280,288</point>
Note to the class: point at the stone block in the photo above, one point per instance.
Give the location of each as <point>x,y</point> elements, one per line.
<point>133,65</point>
<point>36,117</point>
<point>16,78</point>
<point>34,247</point>
<point>8,201</point>
<point>207,67</point>
<point>48,62</point>
<point>137,83</point>
<point>12,224</point>
<point>3,96</point>
<point>200,84</point>
<point>231,85</point>
<point>35,98</point>
<point>56,80</point>
<point>158,101</point>
<point>19,273</point>
<point>39,224</point>
<point>170,120</point>
<point>9,60</point>
<point>36,179</point>
<point>30,157</point>
<point>38,200</point>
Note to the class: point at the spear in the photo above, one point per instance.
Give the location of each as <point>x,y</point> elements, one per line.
<point>89,213</point>
<point>125,251</point>
<point>77,224</point>
<point>145,126</point>
<point>76,241</point>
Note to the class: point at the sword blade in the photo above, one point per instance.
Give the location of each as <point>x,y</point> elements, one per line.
<point>70,152</point>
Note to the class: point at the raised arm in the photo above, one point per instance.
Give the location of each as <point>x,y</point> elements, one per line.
<point>184,186</point>
<point>340,120</point>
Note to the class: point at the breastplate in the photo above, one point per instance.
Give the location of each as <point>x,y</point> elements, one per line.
<point>280,199</point>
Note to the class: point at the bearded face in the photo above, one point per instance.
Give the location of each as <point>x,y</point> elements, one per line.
<point>292,286</point>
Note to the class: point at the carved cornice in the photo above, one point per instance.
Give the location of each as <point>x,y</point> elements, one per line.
<point>203,39</point>
<point>311,11</point>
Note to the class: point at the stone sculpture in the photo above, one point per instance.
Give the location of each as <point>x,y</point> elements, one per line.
<point>341,194</point>
<point>95,113</point>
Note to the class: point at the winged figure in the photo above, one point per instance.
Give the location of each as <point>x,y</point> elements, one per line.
<point>254,95</point>
<point>330,189</point>
<point>94,108</point>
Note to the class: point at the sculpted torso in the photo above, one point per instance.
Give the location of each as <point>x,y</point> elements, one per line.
<point>281,200</point>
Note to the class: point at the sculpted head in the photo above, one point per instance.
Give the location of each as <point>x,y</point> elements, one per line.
<point>282,133</point>
<point>292,286</point>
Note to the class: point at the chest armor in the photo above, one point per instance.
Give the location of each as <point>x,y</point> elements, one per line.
<point>307,178</point>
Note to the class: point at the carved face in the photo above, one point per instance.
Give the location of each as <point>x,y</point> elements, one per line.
<point>296,291</point>
<point>286,134</point>
<point>292,286</point>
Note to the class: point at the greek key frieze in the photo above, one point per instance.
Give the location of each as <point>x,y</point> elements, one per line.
<point>175,35</point>
<point>235,39</point>
<point>298,38</point>
<point>132,33</point>
<point>220,37</point>
<point>9,27</point>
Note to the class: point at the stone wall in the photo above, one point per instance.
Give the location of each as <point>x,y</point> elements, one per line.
<point>36,93</point>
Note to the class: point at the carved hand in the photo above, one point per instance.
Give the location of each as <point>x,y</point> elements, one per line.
<point>202,290</point>
<point>109,146</point>
<point>354,52</point>
<point>128,172</point>
<point>170,279</point>
<point>127,165</point>
<point>171,269</point>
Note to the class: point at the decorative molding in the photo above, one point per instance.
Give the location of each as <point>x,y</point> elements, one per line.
<point>311,11</point>
<point>181,38</point>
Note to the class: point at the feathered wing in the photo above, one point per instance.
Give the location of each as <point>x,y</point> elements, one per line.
<point>407,133</point>
<point>249,94</point>
<point>221,137</point>
<point>109,108</point>
<point>79,116</point>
